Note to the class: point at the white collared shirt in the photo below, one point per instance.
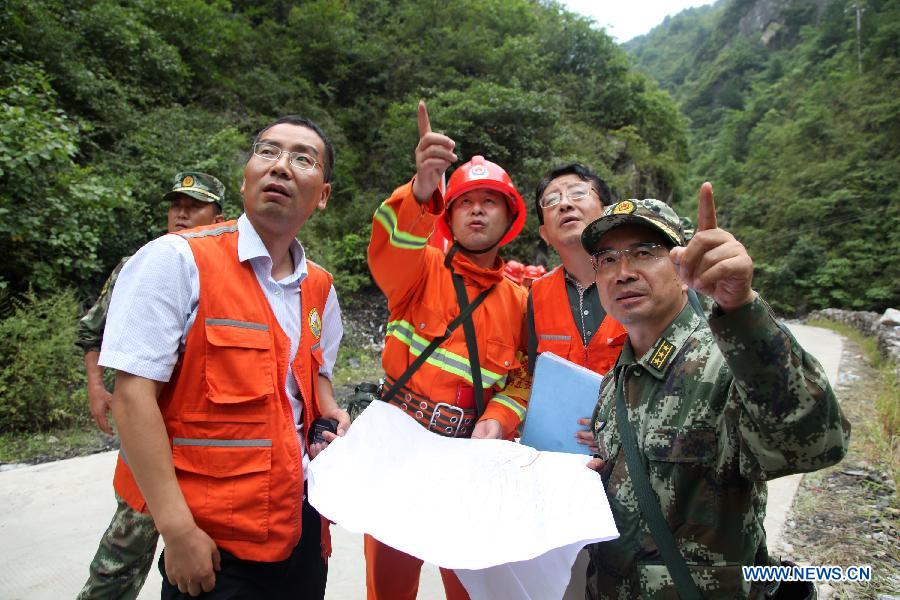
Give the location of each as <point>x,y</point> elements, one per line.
<point>154,304</point>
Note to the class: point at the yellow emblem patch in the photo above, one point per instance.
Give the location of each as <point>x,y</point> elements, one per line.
<point>663,355</point>
<point>315,323</point>
<point>188,181</point>
<point>625,207</point>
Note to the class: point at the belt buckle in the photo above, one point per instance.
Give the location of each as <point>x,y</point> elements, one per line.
<point>448,431</point>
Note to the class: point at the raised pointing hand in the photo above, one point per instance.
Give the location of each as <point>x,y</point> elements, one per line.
<point>714,262</point>
<point>434,155</point>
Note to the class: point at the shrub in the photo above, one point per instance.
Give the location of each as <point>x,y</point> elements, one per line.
<point>41,379</point>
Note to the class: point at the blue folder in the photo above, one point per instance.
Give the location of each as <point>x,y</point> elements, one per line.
<point>561,393</point>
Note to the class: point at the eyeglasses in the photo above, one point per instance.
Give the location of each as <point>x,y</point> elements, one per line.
<point>640,254</point>
<point>301,160</point>
<point>574,194</point>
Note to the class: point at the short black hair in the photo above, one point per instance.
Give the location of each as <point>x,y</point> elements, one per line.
<point>217,209</point>
<point>328,165</point>
<point>584,173</point>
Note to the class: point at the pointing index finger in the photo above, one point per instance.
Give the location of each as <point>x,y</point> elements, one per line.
<point>424,123</point>
<point>706,210</point>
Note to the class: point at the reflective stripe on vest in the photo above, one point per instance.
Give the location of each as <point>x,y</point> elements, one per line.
<point>440,358</point>
<point>241,324</point>
<point>399,239</point>
<point>221,443</point>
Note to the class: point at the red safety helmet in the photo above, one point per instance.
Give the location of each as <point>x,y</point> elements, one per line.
<point>481,173</point>
<point>514,271</point>
<point>534,271</point>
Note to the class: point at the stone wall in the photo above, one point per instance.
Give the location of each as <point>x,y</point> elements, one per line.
<point>887,337</point>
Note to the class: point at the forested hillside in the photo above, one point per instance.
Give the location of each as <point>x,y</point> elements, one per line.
<point>795,116</point>
<point>103,101</point>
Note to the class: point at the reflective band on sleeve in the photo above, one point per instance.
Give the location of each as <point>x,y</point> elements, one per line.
<point>226,443</point>
<point>560,338</point>
<point>440,358</point>
<point>400,239</point>
<point>315,346</point>
<point>242,324</point>
<point>510,403</point>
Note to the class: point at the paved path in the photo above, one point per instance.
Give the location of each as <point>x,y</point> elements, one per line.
<point>52,515</point>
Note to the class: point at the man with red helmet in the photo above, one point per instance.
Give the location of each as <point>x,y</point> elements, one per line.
<point>532,272</point>
<point>514,271</point>
<point>454,392</point>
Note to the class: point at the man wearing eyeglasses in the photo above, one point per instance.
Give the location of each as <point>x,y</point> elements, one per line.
<point>224,339</point>
<point>702,414</point>
<point>566,201</point>
<point>126,550</point>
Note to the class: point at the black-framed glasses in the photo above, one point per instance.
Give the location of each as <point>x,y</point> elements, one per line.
<point>639,254</point>
<point>576,193</point>
<point>300,160</point>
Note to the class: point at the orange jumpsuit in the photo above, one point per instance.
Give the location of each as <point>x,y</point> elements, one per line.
<point>422,301</point>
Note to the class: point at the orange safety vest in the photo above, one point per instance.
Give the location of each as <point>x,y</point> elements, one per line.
<point>557,332</point>
<point>234,443</point>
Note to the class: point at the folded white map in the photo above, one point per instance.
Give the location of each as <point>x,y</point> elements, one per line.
<point>508,518</point>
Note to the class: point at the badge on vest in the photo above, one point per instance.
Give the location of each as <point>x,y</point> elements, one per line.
<point>663,355</point>
<point>315,323</point>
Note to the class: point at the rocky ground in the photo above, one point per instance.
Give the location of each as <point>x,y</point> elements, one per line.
<point>849,514</point>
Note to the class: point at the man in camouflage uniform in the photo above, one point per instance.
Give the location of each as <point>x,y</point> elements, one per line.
<point>126,550</point>
<point>717,409</point>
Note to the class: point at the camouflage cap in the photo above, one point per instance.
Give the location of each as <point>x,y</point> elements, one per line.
<point>199,186</point>
<point>648,213</point>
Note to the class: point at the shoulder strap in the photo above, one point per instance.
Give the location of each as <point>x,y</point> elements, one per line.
<point>532,335</point>
<point>649,502</point>
<point>694,301</point>
<point>471,341</point>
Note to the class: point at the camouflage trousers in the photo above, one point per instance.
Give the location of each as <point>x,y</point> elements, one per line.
<point>124,556</point>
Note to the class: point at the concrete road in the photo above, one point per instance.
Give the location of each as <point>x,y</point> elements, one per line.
<point>52,515</point>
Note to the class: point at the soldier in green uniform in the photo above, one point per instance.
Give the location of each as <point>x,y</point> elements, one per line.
<point>126,550</point>
<point>715,410</point>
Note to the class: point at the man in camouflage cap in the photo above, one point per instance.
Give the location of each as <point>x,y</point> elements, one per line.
<point>126,549</point>
<point>717,410</point>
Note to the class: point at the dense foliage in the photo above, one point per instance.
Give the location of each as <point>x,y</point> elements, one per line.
<point>101,102</point>
<point>41,379</point>
<point>800,134</point>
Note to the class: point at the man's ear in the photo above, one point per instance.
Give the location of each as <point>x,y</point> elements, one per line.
<point>219,218</point>
<point>243,183</point>
<point>543,234</point>
<point>323,199</point>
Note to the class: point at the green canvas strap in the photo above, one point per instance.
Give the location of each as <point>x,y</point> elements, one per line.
<point>649,502</point>
<point>469,331</point>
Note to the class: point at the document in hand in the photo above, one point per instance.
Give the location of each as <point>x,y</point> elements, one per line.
<point>562,393</point>
<point>508,518</point>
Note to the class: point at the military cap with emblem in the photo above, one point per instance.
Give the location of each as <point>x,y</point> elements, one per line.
<point>200,186</point>
<point>650,213</point>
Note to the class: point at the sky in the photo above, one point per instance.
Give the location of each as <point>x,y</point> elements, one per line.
<point>625,20</point>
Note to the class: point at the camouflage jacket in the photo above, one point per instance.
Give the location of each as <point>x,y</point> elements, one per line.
<point>90,327</point>
<point>717,411</point>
